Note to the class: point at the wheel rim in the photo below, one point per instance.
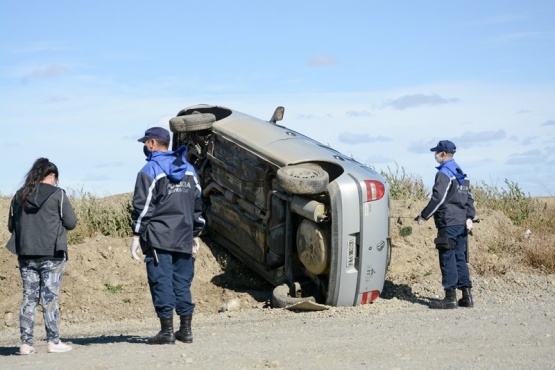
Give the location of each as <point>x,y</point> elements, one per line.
<point>312,247</point>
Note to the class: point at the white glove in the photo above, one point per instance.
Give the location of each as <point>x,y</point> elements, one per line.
<point>469,224</point>
<point>419,220</point>
<point>196,244</point>
<point>135,248</point>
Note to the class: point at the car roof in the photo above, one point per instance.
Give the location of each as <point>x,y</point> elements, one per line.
<point>276,143</point>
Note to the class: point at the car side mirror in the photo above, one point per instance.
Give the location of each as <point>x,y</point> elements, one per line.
<point>278,115</point>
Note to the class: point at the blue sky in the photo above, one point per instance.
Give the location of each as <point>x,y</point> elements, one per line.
<point>381,81</point>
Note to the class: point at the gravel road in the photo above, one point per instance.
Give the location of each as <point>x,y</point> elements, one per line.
<point>511,327</point>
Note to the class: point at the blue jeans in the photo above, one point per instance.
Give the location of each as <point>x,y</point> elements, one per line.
<point>41,280</point>
<point>452,262</point>
<point>170,282</point>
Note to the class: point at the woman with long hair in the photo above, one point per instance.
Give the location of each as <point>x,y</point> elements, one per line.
<point>40,214</point>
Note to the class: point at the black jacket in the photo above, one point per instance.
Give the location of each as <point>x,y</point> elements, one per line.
<point>451,203</point>
<point>40,225</point>
<point>167,205</point>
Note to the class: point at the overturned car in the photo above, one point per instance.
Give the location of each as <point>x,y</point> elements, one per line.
<point>310,220</point>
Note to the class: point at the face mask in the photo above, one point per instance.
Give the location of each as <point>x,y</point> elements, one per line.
<point>146,151</point>
<point>438,158</point>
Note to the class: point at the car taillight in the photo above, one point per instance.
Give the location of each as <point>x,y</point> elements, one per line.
<point>369,297</point>
<point>374,190</point>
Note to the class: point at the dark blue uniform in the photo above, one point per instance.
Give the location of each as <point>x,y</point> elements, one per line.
<point>167,215</point>
<point>451,205</point>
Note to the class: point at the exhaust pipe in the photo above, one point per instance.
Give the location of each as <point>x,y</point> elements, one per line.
<point>311,209</point>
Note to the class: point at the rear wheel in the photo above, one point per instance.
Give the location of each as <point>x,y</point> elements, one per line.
<point>192,122</point>
<point>303,179</point>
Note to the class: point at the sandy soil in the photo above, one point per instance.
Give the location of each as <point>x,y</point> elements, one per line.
<point>106,310</point>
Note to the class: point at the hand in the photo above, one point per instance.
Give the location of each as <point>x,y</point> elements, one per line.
<point>469,224</point>
<point>135,248</point>
<point>196,244</point>
<point>419,220</point>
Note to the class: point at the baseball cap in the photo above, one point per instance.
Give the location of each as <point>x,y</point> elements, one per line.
<point>444,146</point>
<point>158,133</point>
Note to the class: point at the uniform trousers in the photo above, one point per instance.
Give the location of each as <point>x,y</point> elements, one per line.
<point>452,262</point>
<point>169,277</point>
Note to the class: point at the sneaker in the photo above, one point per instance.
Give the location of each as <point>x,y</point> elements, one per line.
<point>57,347</point>
<point>26,349</point>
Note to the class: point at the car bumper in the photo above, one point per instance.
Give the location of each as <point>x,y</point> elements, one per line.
<point>360,243</point>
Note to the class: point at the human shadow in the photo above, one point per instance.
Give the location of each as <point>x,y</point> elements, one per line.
<point>84,341</point>
<point>403,292</point>
<point>106,339</point>
<point>9,351</point>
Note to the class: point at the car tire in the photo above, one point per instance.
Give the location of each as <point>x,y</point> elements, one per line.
<point>303,179</point>
<point>282,299</point>
<point>192,122</point>
<point>313,247</point>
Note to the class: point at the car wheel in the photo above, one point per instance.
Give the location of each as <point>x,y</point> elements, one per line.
<point>281,297</point>
<point>192,122</point>
<point>313,247</point>
<point>303,179</point>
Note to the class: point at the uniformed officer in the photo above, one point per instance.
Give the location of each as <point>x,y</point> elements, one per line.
<point>452,206</point>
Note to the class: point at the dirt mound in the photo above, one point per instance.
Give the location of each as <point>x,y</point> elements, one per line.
<point>103,283</point>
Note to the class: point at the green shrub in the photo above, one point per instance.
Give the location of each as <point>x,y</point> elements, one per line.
<point>403,186</point>
<point>110,216</point>
<point>405,231</point>
<point>512,201</point>
<point>114,288</point>
<point>523,210</point>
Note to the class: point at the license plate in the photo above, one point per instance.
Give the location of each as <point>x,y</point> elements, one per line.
<point>351,252</point>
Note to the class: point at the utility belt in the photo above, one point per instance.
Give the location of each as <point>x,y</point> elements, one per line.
<point>442,242</point>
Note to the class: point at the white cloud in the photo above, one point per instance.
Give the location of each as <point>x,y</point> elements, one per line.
<point>322,60</point>
<point>527,141</point>
<point>417,100</point>
<point>530,157</point>
<point>96,130</point>
<point>48,71</point>
<point>352,138</point>
<point>362,113</point>
<point>375,159</point>
<point>470,139</point>
<point>53,70</point>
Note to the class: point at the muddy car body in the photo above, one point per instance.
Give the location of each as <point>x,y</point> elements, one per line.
<point>300,214</point>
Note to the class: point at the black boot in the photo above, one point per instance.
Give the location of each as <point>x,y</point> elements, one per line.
<point>184,334</point>
<point>450,300</point>
<point>165,336</point>
<point>466,300</point>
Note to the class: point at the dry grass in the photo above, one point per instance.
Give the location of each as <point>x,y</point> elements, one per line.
<point>110,216</point>
<point>524,236</point>
<point>403,186</point>
<point>530,244</point>
<point>539,250</point>
<point>510,244</point>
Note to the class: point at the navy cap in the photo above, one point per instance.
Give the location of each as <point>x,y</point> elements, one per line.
<point>444,146</point>
<point>158,133</point>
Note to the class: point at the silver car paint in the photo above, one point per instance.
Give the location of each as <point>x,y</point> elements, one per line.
<point>353,219</point>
